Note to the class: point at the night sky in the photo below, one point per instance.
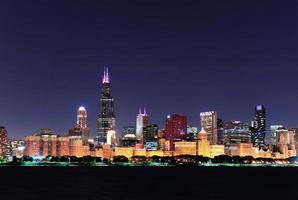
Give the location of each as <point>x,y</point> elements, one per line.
<point>172,57</point>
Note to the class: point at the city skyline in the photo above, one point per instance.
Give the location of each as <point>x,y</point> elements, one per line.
<point>106,77</point>
<point>192,58</point>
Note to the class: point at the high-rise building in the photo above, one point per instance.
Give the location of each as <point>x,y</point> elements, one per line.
<point>236,132</point>
<point>220,131</point>
<point>141,122</point>
<point>273,132</point>
<point>128,130</point>
<point>191,134</point>
<point>258,128</point>
<point>150,135</point>
<point>176,128</point>
<point>82,118</point>
<point>3,141</point>
<point>81,128</point>
<point>106,120</point>
<point>209,124</point>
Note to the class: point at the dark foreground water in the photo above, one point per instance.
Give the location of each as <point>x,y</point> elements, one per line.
<point>100,183</point>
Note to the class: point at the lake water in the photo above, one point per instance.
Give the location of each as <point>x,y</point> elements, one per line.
<point>131,183</point>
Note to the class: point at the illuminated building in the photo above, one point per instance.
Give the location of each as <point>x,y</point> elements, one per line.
<point>203,144</point>
<point>209,124</point>
<point>185,148</point>
<point>150,134</point>
<point>258,128</point>
<point>129,140</point>
<point>239,149</point>
<point>41,145</point>
<point>81,128</point>
<point>128,130</point>
<point>111,137</point>
<point>124,151</point>
<point>16,148</point>
<point>106,120</point>
<point>236,132</point>
<point>176,128</point>
<point>141,123</point>
<point>286,142</point>
<point>77,147</point>
<point>192,133</point>
<point>216,150</point>
<point>139,150</point>
<point>3,141</point>
<point>63,146</point>
<point>273,132</point>
<point>32,145</point>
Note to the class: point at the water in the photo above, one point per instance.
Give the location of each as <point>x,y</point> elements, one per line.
<point>168,183</point>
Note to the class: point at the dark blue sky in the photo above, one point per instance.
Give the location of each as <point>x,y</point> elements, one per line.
<point>183,57</point>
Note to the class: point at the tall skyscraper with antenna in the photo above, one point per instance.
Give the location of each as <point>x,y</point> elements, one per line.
<point>106,120</point>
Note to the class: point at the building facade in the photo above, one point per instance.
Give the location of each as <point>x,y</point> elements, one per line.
<point>150,137</point>
<point>258,128</point>
<point>141,123</point>
<point>209,124</point>
<point>176,129</point>
<point>106,120</point>
<point>236,132</point>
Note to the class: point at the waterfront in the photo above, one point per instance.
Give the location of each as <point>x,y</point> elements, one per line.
<point>99,183</point>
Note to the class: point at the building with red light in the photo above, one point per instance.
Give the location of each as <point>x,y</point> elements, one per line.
<point>176,128</point>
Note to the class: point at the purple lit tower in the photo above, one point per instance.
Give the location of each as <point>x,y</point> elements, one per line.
<point>106,120</point>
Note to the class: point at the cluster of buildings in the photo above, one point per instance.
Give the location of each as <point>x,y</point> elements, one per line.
<point>214,137</point>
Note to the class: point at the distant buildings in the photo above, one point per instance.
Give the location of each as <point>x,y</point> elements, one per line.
<point>176,128</point>
<point>141,123</point>
<point>3,141</point>
<point>81,128</point>
<point>258,128</point>
<point>209,124</point>
<point>106,120</point>
<point>46,144</point>
<point>128,130</point>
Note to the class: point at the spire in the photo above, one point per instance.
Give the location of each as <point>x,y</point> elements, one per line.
<point>140,111</point>
<point>106,76</point>
<point>145,112</point>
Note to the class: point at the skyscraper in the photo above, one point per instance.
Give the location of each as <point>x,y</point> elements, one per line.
<point>82,118</point>
<point>106,120</point>
<point>81,129</point>
<point>150,137</point>
<point>209,124</point>
<point>141,123</point>
<point>236,132</point>
<point>258,128</point>
<point>176,128</point>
